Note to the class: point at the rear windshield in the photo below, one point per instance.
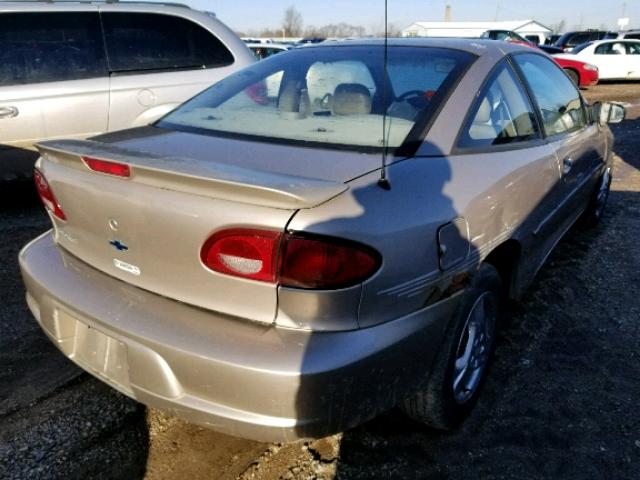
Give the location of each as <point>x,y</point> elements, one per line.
<point>331,96</point>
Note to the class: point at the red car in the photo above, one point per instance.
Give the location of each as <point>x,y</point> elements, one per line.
<point>582,74</point>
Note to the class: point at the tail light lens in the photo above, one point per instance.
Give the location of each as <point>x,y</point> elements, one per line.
<point>108,167</point>
<point>322,263</point>
<point>290,260</point>
<point>47,196</point>
<point>243,253</point>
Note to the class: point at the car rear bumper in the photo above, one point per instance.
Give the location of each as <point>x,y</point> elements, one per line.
<point>242,378</point>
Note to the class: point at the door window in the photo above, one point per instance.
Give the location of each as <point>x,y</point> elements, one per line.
<point>611,48</point>
<point>50,47</point>
<point>502,114</point>
<point>558,99</point>
<point>147,42</point>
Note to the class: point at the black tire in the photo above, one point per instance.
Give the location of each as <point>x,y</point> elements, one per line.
<point>436,404</point>
<point>573,75</point>
<point>598,202</point>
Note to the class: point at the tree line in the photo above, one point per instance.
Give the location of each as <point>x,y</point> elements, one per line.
<point>293,26</point>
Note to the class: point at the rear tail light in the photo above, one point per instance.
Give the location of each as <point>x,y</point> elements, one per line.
<point>46,195</point>
<point>321,263</point>
<point>243,253</point>
<point>108,167</point>
<point>288,259</point>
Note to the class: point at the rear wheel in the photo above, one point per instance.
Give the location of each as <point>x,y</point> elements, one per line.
<point>460,368</point>
<point>573,75</point>
<point>594,212</point>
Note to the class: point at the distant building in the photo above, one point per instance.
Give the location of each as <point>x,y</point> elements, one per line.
<point>474,29</point>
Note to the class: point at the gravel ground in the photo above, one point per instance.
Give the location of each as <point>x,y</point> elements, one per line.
<point>561,400</point>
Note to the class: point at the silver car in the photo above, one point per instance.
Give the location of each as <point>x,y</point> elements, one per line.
<point>73,70</point>
<point>290,264</point>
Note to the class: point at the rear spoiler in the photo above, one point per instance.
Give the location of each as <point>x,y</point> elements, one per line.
<point>201,177</point>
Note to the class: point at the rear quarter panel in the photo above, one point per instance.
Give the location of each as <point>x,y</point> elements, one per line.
<point>501,196</point>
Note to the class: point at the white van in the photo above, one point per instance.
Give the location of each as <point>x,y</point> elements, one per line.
<point>74,70</point>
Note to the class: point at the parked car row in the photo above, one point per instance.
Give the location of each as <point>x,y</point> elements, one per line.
<point>265,50</point>
<point>615,59</point>
<point>581,73</point>
<point>568,41</point>
<point>590,56</point>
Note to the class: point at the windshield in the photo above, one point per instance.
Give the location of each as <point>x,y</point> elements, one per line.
<point>332,96</point>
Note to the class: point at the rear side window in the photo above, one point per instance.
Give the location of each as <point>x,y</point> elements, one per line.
<point>150,42</point>
<point>633,48</point>
<point>50,47</point>
<point>633,36</point>
<point>557,97</point>
<point>503,114</point>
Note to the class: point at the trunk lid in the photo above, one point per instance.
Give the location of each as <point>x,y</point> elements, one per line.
<point>148,230</point>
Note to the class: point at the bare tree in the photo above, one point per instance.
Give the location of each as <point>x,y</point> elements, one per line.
<point>559,27</point>
<point>292,22</point>
<point>340,30</point>
<point>392,30</point>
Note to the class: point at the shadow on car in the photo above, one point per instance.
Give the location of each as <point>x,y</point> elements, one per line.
<point>350,377</point>
<point>544,411</point>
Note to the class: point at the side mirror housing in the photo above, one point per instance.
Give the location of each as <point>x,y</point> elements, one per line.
<point>607,113</point>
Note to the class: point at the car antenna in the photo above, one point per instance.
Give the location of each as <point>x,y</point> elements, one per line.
<point>383,181</point>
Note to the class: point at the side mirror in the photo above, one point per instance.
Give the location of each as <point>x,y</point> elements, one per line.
<point>617,114</point>
<point>607,112</point>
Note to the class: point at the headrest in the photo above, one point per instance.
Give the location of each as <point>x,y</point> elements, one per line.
<point>351,99</point>
<point>289,99</point>
<point>484,112</point>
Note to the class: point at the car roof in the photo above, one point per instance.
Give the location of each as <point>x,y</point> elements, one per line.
<point>615,40</point>
<point>479,47</point>
<point>269,45</point>
<point>90,5</point>
<point>573,32</point>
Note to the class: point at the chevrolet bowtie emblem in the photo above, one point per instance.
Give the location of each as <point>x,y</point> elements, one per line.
<point>118,245</point>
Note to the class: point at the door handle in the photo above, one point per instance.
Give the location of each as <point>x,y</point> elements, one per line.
<point>567,165</point>
<point>8,112</point>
